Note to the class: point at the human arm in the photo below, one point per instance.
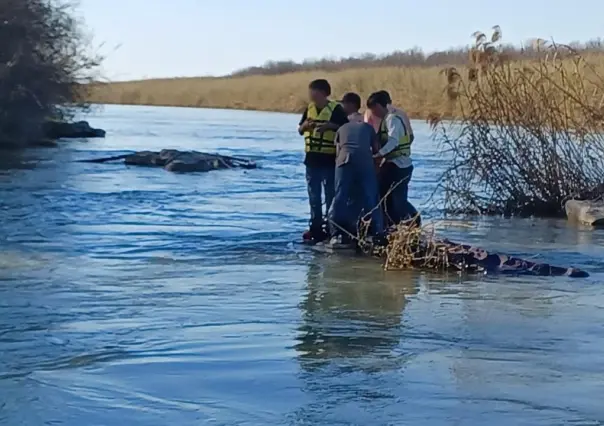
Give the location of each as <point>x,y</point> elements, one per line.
<point>337,120</point>
<point>396,130</point>
<point>375,143</point>
<point>304,124</point>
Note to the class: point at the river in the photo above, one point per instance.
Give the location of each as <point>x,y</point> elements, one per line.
<point>137,296</point>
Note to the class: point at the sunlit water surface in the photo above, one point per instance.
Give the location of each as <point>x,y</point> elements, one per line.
<point>135,296</point>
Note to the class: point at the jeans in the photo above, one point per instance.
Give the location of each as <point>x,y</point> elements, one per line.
<point>356,191</point>
<point>398,207</point>
<point>319,180</point>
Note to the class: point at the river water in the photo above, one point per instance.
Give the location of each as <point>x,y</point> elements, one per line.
<point>137,296</point>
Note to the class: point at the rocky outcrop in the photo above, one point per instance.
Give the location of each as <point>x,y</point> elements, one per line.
<point>180,161</point>
<point>590,213</point>
<point>79,129</point>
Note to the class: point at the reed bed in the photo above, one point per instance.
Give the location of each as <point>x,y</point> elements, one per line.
<point>419,90</point>
<point>527,137</point>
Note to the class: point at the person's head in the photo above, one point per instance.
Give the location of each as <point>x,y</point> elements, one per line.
<point>386,94</point>
<point>319,90</point>
<point>378,104</point>
<point>351,102</point>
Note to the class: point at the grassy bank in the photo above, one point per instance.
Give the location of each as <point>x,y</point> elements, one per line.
<point>420,90</point>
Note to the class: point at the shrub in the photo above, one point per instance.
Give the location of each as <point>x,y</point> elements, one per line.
<point>528,134</point>
<point>44,63</point>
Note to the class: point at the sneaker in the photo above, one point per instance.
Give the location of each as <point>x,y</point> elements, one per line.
<point>313,237</point>
<point>337,242</point>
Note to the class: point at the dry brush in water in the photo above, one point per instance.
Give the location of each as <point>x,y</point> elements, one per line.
<point>529,134</point>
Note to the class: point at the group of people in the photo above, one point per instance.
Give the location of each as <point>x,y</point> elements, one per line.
<point>354,161</point>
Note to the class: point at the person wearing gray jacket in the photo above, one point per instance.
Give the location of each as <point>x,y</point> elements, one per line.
<point>355,177</point>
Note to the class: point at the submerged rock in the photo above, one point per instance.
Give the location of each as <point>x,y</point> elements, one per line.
<point>142,158</point>
<point>79,129</point>
<point>180,161</point>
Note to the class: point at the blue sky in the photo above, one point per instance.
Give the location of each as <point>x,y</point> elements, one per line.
<point>170,38</point>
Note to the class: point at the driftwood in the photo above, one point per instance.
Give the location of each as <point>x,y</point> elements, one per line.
<point>411,247</point>
<point>179,161</point>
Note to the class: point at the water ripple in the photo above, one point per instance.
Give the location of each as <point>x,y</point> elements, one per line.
<point>138,296</point>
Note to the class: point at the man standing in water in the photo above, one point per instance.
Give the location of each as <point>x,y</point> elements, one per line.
<point>319,123</point>
<point>375,121</point>
<point>354,178</point>
<point>395,155</point>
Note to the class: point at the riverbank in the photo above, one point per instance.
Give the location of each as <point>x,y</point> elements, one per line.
<point>420,90</point>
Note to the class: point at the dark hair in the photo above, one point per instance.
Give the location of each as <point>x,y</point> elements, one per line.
<point>386,94</point>
<point>353,99</point>
<point>377,98</point>
<point>321,85</point>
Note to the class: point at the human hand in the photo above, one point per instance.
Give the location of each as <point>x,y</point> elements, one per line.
<point>307,125</point>
<point>378,161</point>
<point>323,127</point>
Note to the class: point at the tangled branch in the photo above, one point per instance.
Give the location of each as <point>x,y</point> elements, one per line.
<point>530,134</point>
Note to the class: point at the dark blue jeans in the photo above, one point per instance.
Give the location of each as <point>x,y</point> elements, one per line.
<point>398,207</point>
<point>319,181</point>
<point>356,193</point>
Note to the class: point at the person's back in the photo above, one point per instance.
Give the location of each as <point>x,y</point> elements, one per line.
<point>354,143</point>
<point>355,181</point>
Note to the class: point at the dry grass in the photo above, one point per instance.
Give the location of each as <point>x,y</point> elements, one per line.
<point>419,90</point>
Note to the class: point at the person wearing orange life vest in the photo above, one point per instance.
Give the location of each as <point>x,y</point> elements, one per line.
<point>375,121</point>
<point>319,123</point>
<point>395,155</point>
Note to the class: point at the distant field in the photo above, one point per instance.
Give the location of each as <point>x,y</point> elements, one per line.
<point>421,90</point>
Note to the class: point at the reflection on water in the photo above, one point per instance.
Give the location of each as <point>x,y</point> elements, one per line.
<point>352,310</point>
<point>138,296</point>
<point>348,342</point>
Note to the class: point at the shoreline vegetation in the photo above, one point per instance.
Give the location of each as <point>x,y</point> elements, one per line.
<point>416,81</point>
<point>43,64</point>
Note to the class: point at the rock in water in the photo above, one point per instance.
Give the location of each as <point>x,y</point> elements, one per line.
<point>585,212</point>
<point>80,129</point>
<point>143,158</point>
<point>182,161</point>
<point>188,162</point>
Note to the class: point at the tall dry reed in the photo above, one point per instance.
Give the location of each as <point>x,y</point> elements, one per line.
<point>419,90</point>
<point>528,136</point>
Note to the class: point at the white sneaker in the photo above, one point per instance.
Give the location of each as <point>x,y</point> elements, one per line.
<point>336,243</point>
